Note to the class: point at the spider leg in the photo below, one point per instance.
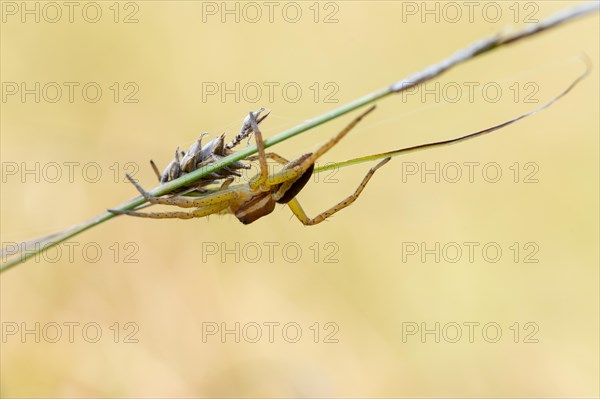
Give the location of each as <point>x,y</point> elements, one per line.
<point>301,215</point>
<point>226,183</point>
<point>196,213</point>
<point>187,202</point>
<point>270,155</point>
<point>288,174</point>
<point>146,205</point>
<point>259,180</point>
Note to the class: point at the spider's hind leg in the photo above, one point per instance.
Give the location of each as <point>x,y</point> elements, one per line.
<point>301,215</point>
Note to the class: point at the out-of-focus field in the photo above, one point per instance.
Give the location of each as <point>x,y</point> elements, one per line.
<point>522,322</point>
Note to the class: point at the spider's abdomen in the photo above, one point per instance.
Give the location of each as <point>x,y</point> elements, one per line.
<point>296,186</point>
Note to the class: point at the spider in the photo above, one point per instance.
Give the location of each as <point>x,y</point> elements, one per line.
<point>258,198</point>
<point>250,202</point>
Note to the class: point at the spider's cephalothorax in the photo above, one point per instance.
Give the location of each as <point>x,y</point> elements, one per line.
<point>251,201</point>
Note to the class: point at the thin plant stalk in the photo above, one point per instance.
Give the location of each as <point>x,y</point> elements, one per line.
<point>32,248</point>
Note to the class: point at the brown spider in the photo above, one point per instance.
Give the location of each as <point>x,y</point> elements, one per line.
<point>249,202</point>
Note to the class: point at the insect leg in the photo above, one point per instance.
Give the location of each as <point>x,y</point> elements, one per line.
<point>156,171</point>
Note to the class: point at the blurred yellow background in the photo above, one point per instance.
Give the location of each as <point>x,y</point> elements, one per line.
<point>169,284</point>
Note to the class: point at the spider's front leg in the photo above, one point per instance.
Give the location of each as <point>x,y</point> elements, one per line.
<point>206,205</point>
<point>270,155</point>
<point>196,213</point>
<point>258,182</point>
<point>308,160</point>
<point>188,202</point>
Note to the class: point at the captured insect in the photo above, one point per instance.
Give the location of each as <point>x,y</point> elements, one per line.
<point>257,198</point>
<point>200,156</point>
